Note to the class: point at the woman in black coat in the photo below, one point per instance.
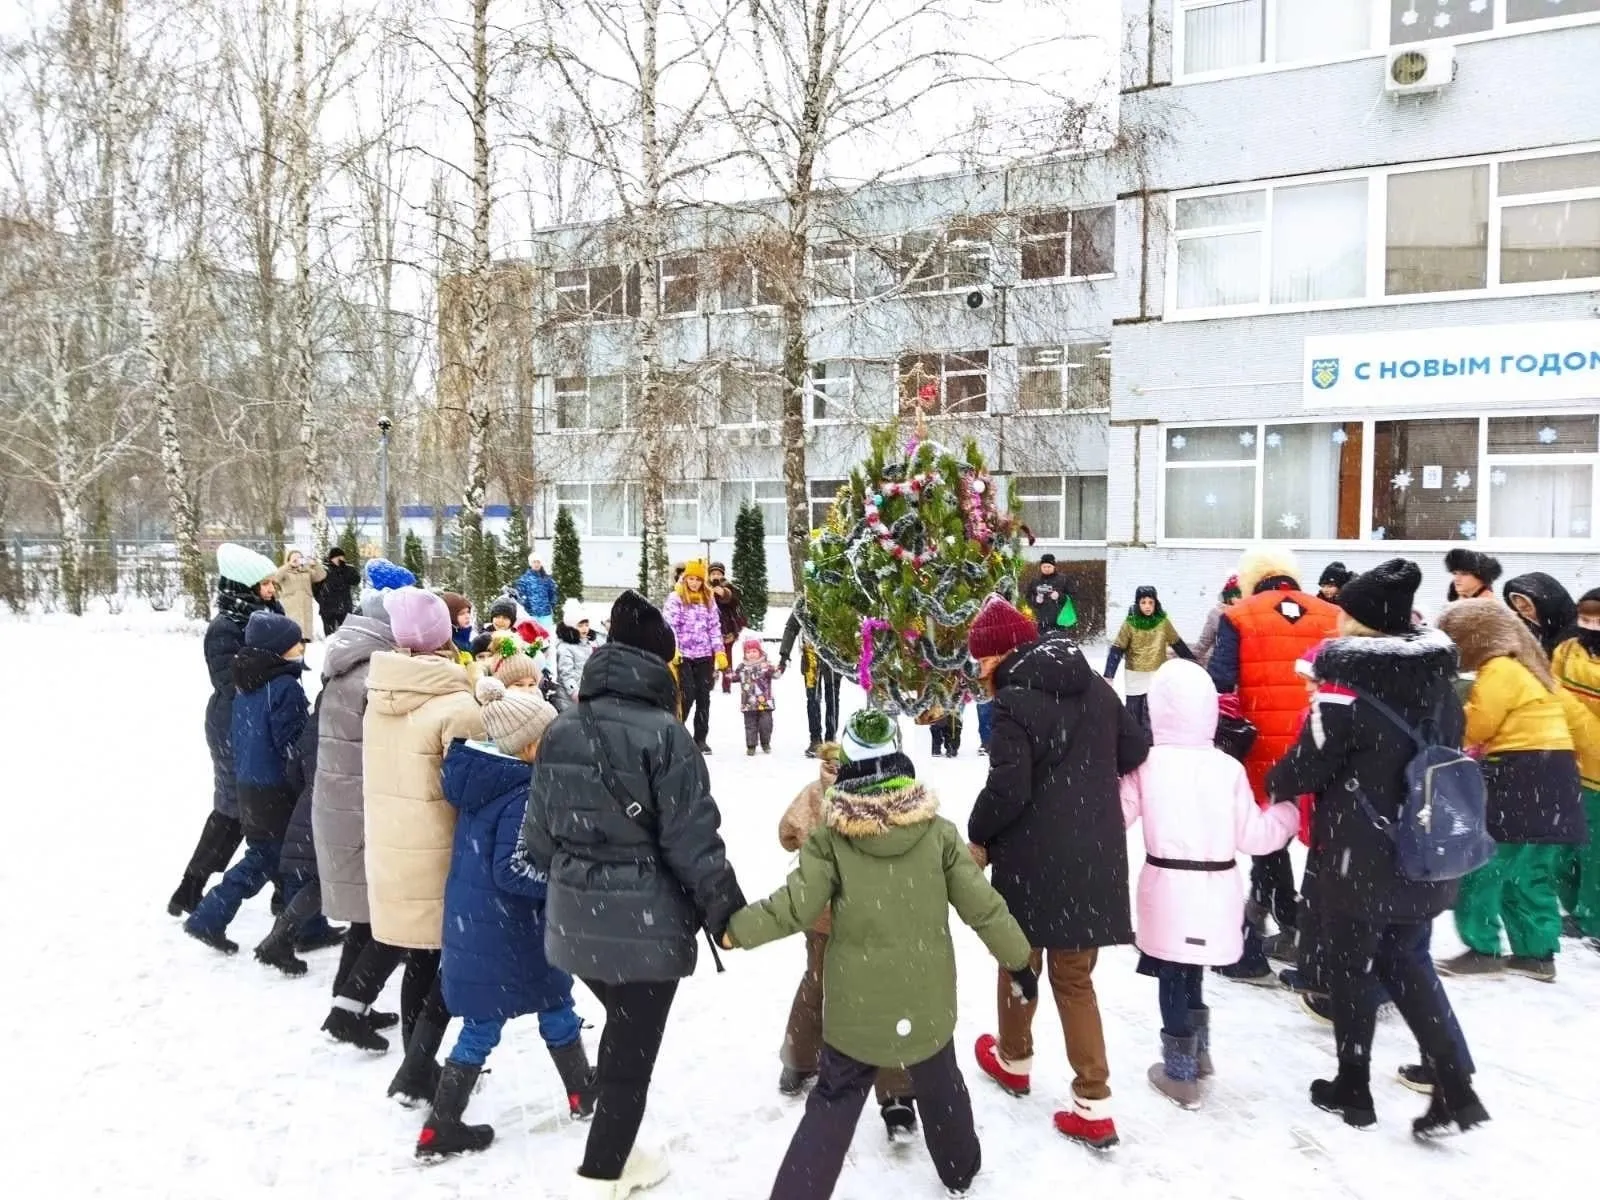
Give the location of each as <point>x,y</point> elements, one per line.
<point>336,593</point>
<point>633,878</point>
<point>1376,921</point>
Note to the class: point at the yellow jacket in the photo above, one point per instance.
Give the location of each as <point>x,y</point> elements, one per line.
<point>1578,673</point>
<point>1509,709</point>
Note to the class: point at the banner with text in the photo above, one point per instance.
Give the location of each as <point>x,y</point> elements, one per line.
<point>1469,365</point>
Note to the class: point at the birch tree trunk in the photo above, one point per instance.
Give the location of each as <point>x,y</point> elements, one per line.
<point>69,482</point>
<point>301,375</point>
<point>478,415</point>
<point>651,400</point>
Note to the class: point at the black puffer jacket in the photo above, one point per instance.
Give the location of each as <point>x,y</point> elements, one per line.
<point>1347,747</point>
<point>223,641</point>
<point>336,594</point>
<point>1050,815</point>
<point>1554,605</point>
<point>299,857</point>
<point>627,898</point>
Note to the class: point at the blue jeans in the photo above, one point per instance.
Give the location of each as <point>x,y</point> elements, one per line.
<point>985,722</point>
<point>254,870</point>
<point>559,1026</point>
<point>1181,993</point>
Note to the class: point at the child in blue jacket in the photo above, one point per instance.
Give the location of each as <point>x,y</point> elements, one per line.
<point>269,715</point>
<point>494,966</point>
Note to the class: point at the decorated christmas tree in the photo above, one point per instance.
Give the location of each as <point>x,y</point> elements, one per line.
<point>915,542</point>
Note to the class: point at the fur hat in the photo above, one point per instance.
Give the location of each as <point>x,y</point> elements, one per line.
<point>457,604</point>
<point>1482,628</point>
<point>1480,566</point>
<point>504,607</point>
<point>572,612</point>
<point>1382,598</point>
<point>272,632</point>
<point>242,565</point>
<point>1265,562</point>
<point>420,620</point>
<point>638,623</point>
<point>1335,574</point>
<point>513,720</point>
<point>510,659</point>
<point>381,573</point>
<point>999,629</point>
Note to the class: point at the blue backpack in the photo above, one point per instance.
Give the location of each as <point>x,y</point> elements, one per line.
<point>1442,829</point>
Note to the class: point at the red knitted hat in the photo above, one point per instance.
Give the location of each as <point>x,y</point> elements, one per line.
<point>999,629</point>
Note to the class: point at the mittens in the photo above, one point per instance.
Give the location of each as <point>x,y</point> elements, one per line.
<point>1025,984</point>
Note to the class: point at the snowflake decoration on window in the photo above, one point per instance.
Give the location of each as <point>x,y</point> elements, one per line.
<point>1479,6</point>
<point>1580,526</point>
<point>1340,437</point>
<point>1548,436</point>
<point>1442,21</point>
<point>1247,439</point>
<point>1380,533</point>
<point>1179,441</point>
<point>1409,17</point>
<point>1463,481</point>
<point>1402,481</point>
<point>1469,529</point>
<point>1289,521</point>
<point>1274,440</point>
<point>1498,477</point>
<point>1211,499</point>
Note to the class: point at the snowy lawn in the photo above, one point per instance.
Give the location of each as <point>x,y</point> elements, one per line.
<point>146,1066</point>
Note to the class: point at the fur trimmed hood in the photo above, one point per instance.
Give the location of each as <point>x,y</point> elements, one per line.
<point>1266,562</point>
<point>1388,666</point>
<point>1483,629</point>
<point>874,814</point>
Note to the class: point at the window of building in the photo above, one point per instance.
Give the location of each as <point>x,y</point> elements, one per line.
<point>1438,238</point>
<point>832,391</point>
<point>766,494</point>
<point>1518,11</point>
<point>956,257</point>
<point>1311,481</point>
<point>1427,20</point>
<point>1231,35</point>
<point>600,509</point>
<point>1542,476</point>
<point>1076,376</point>
<point>751,397</point>
<point>833,272</point>
<point>1425,480</point>
<point>591,401</point>
<point>1211,482</point>
<point>574,497</point>
<point>584,293</point>
<point>683,509</point>
<point>680,284</point>
<point>824,492</point>
<point>945,384</point>
<point>1069,244</point>
<point>1067,508</point>
<point>1550,218</point>
<point>747,286</point>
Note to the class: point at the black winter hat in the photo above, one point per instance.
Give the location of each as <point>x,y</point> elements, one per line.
<point>272,632</point>
<point>1383,598</point>
<point>504,607</point>
<point>1335,574</point>
<point>1047,558</point>
<point>1475,563</point>
<point>638,623</point>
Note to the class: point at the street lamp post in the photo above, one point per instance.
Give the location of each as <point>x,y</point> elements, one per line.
<point>384,426</point>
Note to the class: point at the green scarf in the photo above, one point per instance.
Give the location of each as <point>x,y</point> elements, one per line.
<point>1145,624</point>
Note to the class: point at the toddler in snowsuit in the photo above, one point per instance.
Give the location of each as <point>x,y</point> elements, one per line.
<point>755,696</point>
<point>269,715</point>
<point>493,965</point>
<point>945,732</point>
<point>1144,639</point>
<point>1199,813</point>
<point>890,868</point>
<point>1577,669</point>
<point>802,1037</point>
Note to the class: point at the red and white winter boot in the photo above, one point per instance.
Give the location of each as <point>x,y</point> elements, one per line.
<point>1089,1122</point>
<point>1011,1076</point>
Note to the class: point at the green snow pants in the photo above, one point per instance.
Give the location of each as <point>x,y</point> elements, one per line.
<point>1578,873</point>
<point>1518,887</point>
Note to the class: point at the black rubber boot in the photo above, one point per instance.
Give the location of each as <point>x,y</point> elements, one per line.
<point>792,1082</point>
<point>445,1133</point>
<point>187,898</point>
<point>382,1020</point>
<point>1453,1103</point>
<point>417,1080</point>
<point>899,1118</point>
<point>577,1076</point>
<point>277,949</point>
<point>1349,1094</point>
<point>217,941</point>
<point>354,1029</point>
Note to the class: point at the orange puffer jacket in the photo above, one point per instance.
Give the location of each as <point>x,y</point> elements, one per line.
<point>1275,629</point>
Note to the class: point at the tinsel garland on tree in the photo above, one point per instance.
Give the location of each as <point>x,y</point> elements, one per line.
<point>915,541</point>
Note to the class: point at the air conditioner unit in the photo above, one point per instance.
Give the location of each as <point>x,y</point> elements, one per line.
<point>1419,69</point>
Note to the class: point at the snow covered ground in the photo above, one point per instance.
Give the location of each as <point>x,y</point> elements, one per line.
<point>143,1065</point>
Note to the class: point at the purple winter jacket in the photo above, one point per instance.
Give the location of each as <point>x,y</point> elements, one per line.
<point>698,627</point>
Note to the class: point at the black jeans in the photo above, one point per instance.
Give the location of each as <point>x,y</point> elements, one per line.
<point>1396,954</point>
<point>636,1020</point>
<point>822,698</point>
<point>816,1153</point>
<point>220,838</point>
<point>1181,994</point>
<point>420,994</point>
<point>370,963</point>
<point>694,691</point>
<point>946,733</point>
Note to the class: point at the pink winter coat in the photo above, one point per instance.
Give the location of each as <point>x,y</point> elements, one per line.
<point>697,627</point>
<point>1197,807</point>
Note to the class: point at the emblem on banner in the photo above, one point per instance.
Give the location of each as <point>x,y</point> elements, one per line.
<point>1324,373</point>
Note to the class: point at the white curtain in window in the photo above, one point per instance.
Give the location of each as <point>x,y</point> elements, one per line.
<point>1300,493</point>
<point>1319,242</point>
<point>1211,502</point>
<point>1541,501</point>
<point>1311,29</point>
<point>1220,36</point>
<point>610,506</point>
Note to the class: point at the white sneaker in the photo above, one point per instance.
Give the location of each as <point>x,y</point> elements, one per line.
<point>643,1170</point>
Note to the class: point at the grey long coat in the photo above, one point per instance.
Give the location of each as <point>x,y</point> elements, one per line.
<point>338,813</point>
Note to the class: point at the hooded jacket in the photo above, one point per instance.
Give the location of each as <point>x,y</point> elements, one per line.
<point>537,591</point>
<point>1197,806</point>
<point>1577,670</point>
<point>416,706</point>
<point>571,656</point>
<point>223,640</point>
<point>1348,747</point>
<point>338,807</point>
<point>627,897</point>
<point>1049,815</point>
<point>295,586</point>
<point>891,869</point>
<point>268,717</point>
<point>1556,610</point>
<point>696,626</point>
<point>494,964</point>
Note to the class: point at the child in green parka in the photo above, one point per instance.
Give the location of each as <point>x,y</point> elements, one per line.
<point>1144,639</point>
<point>891,868</point>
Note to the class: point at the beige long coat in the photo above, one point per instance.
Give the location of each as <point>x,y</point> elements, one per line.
<point>415,706</point>
<point>294,591</point>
